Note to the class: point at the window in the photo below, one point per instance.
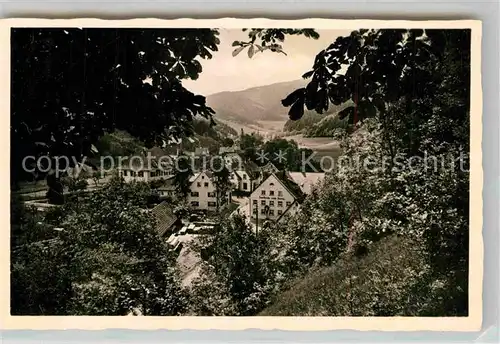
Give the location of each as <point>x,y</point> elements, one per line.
<point>280,193</point>
<point>195,204</point>
<point>271,203</point>
<point>262,211</point>
<point>254,202</point>
<point>263,192</point>
<point>254,210</point>
<point>206,185</point>
<point>141,174</point>
<point>271,212</point>
<point>280,203</point>
<point>280,211</point>
<point>271,184</point>
<point>245,186</point>
<point>271,193</point>
<point>288,203</point>
<point>202,177</point>
<point>262,202</point>
<point>121,173</point>
<point>211,194</point>
<point>198,184</point>
<point>125,173</point>
<point>244,176</point>
<point>211,204</point>
<point>133,173</point>
<point>195,194</point>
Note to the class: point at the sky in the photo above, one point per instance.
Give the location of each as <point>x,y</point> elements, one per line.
<point>227,73</point>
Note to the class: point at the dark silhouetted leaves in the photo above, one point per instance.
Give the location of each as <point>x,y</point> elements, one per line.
<point>293,97</point>
<point>297,110</point>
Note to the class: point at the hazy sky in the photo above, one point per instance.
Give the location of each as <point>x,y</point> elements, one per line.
<point>227,73</point>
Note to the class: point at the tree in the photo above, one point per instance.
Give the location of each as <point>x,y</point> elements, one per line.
<point>222,183</point>
<point>410,93</point>
<point>182,174</point>
<point>237,275</point>
<point>71,86</point>
<point>106,259</point>
<point>249,145</point>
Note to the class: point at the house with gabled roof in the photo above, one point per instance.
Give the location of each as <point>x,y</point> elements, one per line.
<point>203,193</point>
<point>241,180</point>
<point>147,168</point>
<point>275,197</point>
<point>269,168</point>
<point>168,189</point>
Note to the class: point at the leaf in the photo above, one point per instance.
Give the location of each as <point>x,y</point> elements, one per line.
<point>349,111</point>
<point>297,110</point>
<point>250,51</point>
<point>237,51</point>
<point>293,97</point>
<point>261,49</point>
<point>94,149</point>
<point>367,109</point>
<point>379,103</point>
<point>308,74</point>
<point>236,44</point>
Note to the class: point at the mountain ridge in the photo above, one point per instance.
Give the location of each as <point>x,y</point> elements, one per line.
<point>254,106</point>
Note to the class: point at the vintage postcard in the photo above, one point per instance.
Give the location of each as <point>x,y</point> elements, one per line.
<point>230,173</point>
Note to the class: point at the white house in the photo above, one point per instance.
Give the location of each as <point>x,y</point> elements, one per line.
<point>241,181</point>
<point>168,189</point>
<point>274,197</point>
<point>140,169</point>
<point>203,195</point>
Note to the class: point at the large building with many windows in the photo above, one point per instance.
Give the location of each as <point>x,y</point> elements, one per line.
<point>274,197</point>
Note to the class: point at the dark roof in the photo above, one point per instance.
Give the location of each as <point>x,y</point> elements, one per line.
<point>168,185</point>
<point>252,169</point>
<point>269,167</point>
<point>165,217</point>
<point>290,185</point>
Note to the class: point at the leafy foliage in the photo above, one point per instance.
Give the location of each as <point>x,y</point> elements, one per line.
<point>108,88</point>
<point>107,259</point>
<point>268,39</point>
<point>237,276</point>
<point>182,173</point>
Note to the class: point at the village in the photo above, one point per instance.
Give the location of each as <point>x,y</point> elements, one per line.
<point>261,194</point>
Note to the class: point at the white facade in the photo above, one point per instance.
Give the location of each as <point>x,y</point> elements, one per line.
<point>203,194</point>
<point>143,175</point>
<point>241,181</point>
<point>270,200</point>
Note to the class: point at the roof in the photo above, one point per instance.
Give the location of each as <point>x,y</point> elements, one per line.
<point>252,169</point>
<point>269,167</point>
<point>290,185</point>
<point>169,185</point>
<point>306,180</point>
<point>239,173</point>
<point>197,174</point>
<point>224,150</point>
<point>164,216</point>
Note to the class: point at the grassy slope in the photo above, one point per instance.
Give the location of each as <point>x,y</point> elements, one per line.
<point>375,284</point>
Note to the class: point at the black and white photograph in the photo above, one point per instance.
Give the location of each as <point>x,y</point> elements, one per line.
<point>241,172</point>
